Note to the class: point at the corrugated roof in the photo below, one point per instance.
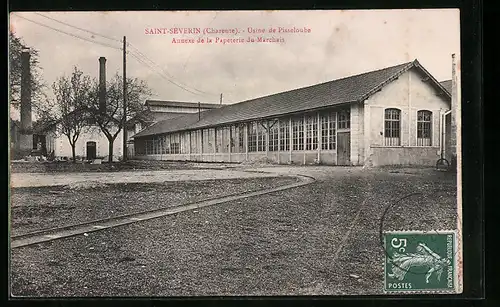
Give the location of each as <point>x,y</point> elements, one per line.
<point>173,124</point>
<point>447,85</point>
<point>166,103</point>
<point>336,92</point>
<point>153,117</point>
<point>159,116</point>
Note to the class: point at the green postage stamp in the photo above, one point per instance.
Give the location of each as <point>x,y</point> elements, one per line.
<point>417,261</point>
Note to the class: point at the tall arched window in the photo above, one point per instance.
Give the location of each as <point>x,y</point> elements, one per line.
<point>392,127</point>
<point>424,128</point>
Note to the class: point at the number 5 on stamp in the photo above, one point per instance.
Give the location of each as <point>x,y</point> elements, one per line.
<point>417,261</point>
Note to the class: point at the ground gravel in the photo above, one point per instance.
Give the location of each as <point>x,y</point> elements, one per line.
<point>38,208</point>
<point>68,167</point>
<point>301,241</point>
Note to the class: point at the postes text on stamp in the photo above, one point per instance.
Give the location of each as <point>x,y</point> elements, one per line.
<point>417,261</point>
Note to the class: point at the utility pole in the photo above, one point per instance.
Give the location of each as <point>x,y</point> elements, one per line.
<point>124,124</point>
<point>220,98</point>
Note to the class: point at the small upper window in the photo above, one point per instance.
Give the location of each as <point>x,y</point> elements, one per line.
<point>344,120</point>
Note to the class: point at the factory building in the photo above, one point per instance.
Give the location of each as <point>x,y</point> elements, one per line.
<point>394,115</point>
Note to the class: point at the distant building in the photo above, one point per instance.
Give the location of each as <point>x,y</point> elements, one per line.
<point>92,143</point>
<point>447,85</point>
<point>41,140</point>
<point>31,138</point>
<point>394,115</point>
<point>15,126</point>
<point>160,110</point>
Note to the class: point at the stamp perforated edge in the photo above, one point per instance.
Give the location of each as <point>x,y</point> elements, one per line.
<point>455,289</point>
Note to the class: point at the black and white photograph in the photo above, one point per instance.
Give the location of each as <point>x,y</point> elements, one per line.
<point>235,153</point>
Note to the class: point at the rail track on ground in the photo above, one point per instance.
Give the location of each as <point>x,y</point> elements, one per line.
<point>55,233</point>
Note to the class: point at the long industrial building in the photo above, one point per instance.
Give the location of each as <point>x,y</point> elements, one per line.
<point>395,115</point>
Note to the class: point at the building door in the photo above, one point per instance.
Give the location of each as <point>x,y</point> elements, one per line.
<point>39,144</point>
<point>91,150</point>
<point>344,148</point>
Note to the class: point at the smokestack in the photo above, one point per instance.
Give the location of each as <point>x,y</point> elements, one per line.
<point>26,120</point>
<point>102,84</point>
<point>26,135</point>
<point>455,109</point>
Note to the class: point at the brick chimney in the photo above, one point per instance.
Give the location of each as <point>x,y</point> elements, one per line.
<point>26,135</point>
<point>26,120</point>
<point>455,110</point>
<point>102,84</point>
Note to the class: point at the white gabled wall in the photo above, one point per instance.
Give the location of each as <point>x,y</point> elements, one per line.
<point>409,93</point>
<point>62,148</point>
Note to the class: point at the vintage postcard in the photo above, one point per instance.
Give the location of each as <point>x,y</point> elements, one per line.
<point>235,153</point>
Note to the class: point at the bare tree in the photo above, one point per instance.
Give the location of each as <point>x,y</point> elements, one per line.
<point>16,47</point>
<point>73,100</point>
<point>112,119</point>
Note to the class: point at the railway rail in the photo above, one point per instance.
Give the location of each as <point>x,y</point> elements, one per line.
<point>46,235</point>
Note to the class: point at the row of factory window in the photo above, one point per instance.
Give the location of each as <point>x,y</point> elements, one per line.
<point>306,132</point>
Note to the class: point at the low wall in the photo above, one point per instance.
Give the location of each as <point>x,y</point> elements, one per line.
<point>425,156</point>
<point>309,157</point>
<point>328,157</point>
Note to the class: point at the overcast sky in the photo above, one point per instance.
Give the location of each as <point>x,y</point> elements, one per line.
<point>341,43</point>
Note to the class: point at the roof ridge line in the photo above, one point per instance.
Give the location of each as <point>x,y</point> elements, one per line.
<point>433,79</point>
<point>182,102</point>
<point>382,84</point>
<point>312,85</point>
<point>174,101</point>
